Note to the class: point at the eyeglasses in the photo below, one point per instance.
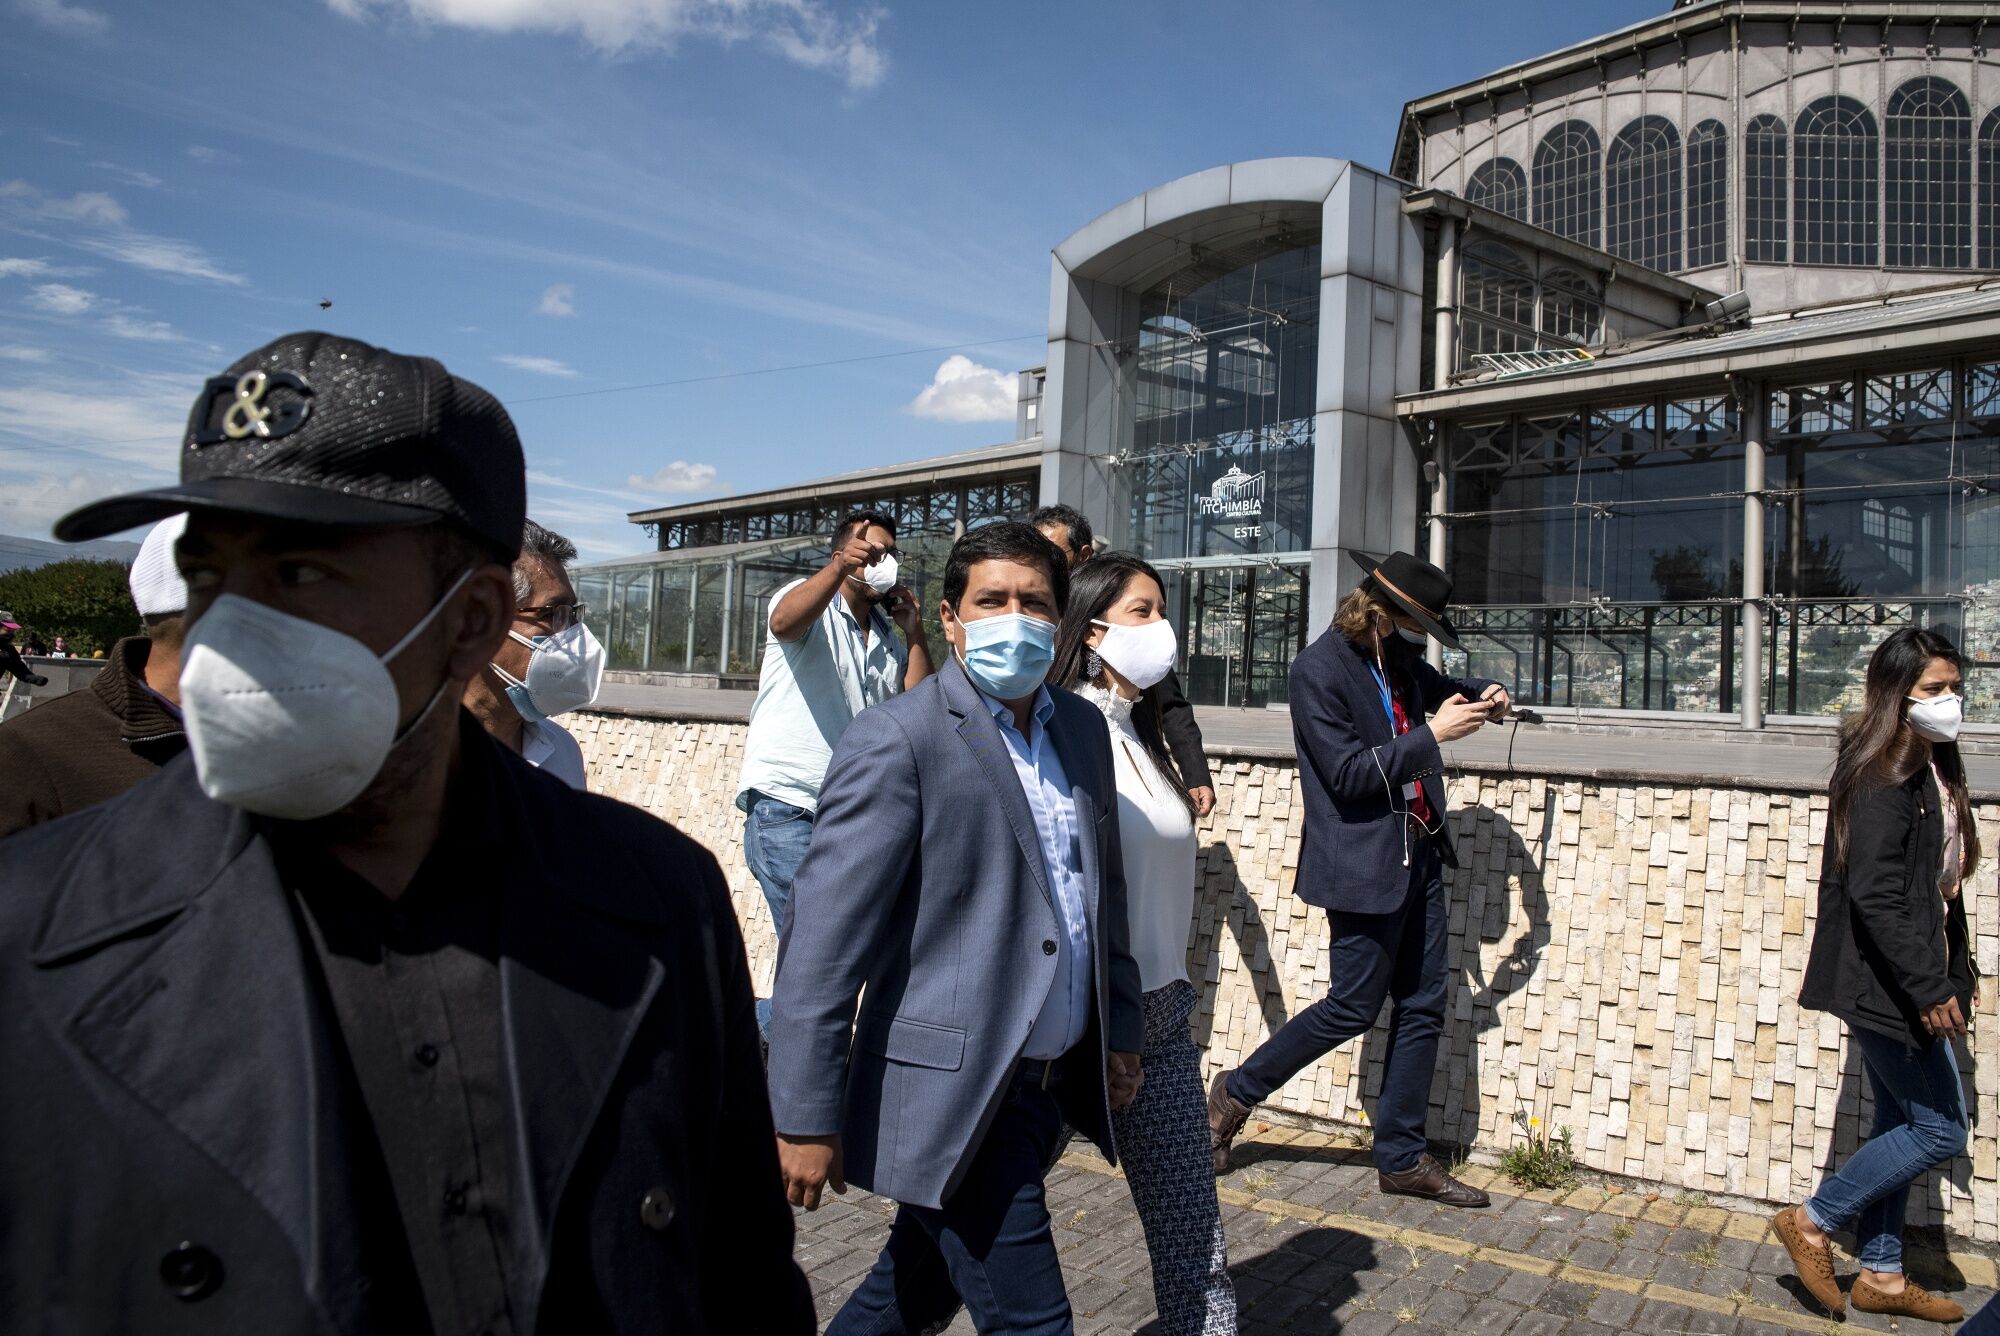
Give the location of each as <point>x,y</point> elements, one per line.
<point>556,616</point>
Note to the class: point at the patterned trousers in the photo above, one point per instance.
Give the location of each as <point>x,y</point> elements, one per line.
<point>1162,1139</point>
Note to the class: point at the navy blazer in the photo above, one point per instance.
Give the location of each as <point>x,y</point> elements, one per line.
<point>1352,768</point>
<point>924,895</point>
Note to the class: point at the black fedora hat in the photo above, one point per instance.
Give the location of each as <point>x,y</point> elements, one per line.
<point>1413,586</point>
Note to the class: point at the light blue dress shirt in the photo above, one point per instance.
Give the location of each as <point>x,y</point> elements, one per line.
<point>1065,1012</point>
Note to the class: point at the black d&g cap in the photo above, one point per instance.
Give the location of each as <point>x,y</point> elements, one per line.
<point>326,430</point>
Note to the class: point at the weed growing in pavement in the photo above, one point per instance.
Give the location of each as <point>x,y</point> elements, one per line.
<point>1621,1232</point>
<point>1546,1160</point>
<point>1704,1254</point>
<point>1691,1199</point>
<point>1406,1314</point>
<point>1362,1137</point>
<point>1258,1181</point>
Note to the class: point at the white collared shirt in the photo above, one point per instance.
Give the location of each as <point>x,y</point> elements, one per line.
<point>547,745</point>
<point>808,691</point>
<point>1065,1012</point>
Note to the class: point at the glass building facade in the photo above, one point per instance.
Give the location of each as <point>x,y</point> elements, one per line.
<point>700,605</point>
<point>1598,551</point>
<point>1218,466</point>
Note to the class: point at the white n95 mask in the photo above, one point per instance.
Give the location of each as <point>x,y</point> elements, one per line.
<point>1143,654</point>
<point>564,673</point>
<point>1937,718</point>
<point>287,718</point>
<point>881,577</point>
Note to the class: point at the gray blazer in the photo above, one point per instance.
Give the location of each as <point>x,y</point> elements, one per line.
<point>924,892</point>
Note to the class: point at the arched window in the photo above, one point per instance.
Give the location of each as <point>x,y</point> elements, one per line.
<point>1572,307</point>
<point>1927,161</point>
<point>1989,191</point>
<point>1766,182</point>
<point>1708,195</point>
<point>1501,185</point>
<point>1642,192</point>
<point>1496,300</point>
<point>1567,177</point>
<point>1834,184</point>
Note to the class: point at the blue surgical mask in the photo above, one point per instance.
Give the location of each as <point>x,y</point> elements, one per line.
<point>1008,656</point>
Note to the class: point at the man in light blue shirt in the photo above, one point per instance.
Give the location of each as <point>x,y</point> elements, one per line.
<point>831,653</point>
<point>966,889</point>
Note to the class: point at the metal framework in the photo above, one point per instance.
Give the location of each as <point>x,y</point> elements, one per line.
<point>1642,190</point>
<point>1989,190</point>
<point>1836,184</point>
<point>1927,174</point>
<point>1707,195</point>
<point>1766,186</point>
<point>1568,182</point>
<point>1500,185</point>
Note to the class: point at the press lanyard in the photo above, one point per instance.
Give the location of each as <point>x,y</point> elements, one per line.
<point>1388,701</point>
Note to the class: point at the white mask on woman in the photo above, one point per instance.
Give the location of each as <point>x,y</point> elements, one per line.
<point>1142,654</point>
<point>1936,718</point>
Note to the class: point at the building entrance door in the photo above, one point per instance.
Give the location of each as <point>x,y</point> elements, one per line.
<point>1242,626</point>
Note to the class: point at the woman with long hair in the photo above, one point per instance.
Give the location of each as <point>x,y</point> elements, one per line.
<point>1890,958</point>
<point>1113,648</point>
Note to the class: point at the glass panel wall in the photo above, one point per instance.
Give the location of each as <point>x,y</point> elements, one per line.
<point>1597,553</point>
<point>667,612</point>
<point>1221,454</point>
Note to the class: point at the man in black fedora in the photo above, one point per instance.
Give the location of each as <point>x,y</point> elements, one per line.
<point>349,1020</point>
<point>1375,842</point>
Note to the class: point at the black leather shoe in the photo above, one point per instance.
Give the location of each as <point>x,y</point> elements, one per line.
<point>1428,1179</point>
<point>1226,1116</point>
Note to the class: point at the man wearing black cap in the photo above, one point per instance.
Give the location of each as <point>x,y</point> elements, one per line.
<point>350,1020</point>
<point>1375,840</point>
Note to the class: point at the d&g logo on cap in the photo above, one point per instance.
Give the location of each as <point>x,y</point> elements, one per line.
<point>246,414</point>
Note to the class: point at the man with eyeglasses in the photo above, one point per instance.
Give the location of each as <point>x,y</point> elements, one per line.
<point>549,664</point>
<point>831,653</point>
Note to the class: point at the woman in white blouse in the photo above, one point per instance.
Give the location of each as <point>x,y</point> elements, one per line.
<point>1113,647</point>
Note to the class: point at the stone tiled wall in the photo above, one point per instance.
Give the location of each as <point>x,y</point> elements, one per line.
<point>1625,961</point>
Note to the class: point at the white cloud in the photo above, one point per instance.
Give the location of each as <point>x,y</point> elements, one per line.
<point>150,331</point>
<point>64,17</point>
<point>20,268</point>
<point>679,476</point>
<point>131,176</point>
<point>220,157</point>
<point>541,366</point>
<point>964,391</point>
<point>105,228</point>
<point>61,299</point>
<point>558,299</point>
<point>21,352</point>
<point>806,32</point>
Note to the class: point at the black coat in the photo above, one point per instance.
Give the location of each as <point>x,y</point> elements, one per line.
<point>1887,947</point>
<point>177,1112</point>
<point>1179,730</point>
<point>1352,768</point>
<point>88,746</point>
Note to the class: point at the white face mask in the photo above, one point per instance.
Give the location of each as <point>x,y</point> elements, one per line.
<point>1143,654</point>
<point>285,717</point>
<point>881,577</point>
<point>564,673</point>
<point>1937,718</point>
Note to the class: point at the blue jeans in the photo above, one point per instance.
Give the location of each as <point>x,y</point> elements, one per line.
<point>775,836</point>
<point>1919,1124</point>
<point>989,1246</point>
<point>1986,1322</point>
<point>1398,955</point>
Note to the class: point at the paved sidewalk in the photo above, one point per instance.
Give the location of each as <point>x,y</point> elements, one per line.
<point>1315,1248</point>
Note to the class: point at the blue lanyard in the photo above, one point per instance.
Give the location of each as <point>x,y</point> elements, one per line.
<point>1388,702</point>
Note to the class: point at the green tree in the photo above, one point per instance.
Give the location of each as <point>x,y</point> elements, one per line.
<point>87,603</point>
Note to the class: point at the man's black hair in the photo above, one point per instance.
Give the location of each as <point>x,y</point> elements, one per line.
<point>455,550</point>
<point>865,519</point>
<point>1070,518</point>
<point>1008,540</point>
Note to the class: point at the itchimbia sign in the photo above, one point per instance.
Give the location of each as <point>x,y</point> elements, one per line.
<point>1236,495</point>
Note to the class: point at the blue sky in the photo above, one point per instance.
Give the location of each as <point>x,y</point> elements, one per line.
<point>651,190</point>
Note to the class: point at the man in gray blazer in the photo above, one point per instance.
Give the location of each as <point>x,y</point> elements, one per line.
<point>965,881</point>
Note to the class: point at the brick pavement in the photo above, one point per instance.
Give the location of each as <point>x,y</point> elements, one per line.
<point>1314,1248</point>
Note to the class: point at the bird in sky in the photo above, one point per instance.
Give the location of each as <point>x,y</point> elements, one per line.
<point>326,303</point>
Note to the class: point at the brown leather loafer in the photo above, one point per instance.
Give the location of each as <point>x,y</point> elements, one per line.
<point>1428,1179</point>
<point>1814,1265</point>
<point>1226,1116</point>
<point>1912,1301</point>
